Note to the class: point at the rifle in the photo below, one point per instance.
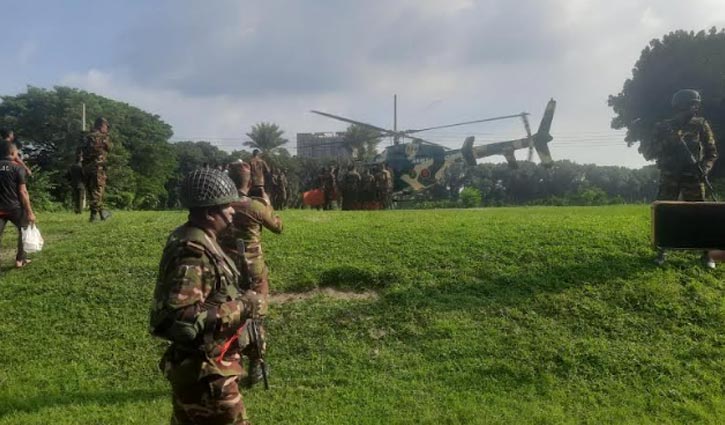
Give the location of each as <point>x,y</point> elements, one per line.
<point>252,324</point>
<point>695,163</point>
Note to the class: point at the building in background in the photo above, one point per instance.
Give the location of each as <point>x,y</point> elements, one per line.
<point>322,146</point>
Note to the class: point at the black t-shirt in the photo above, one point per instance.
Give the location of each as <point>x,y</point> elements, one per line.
<point>12,176</point>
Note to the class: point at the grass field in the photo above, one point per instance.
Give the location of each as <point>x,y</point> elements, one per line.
<point>500,316</point>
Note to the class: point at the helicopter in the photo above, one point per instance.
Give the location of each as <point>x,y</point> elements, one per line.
<point>420,164</point>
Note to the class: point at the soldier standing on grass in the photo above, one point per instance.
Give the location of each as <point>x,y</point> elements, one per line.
<point>75,176</point>
<point>94,153</point>
<point>251,216</point>
<point>199,308</point>
<point>674,137</point>
<point>259,170</point>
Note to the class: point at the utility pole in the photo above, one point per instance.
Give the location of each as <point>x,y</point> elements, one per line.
<point>395,118</point>
<point>83,117</point>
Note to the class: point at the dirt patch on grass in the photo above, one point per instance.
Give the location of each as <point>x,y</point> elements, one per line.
<point>336,294</point>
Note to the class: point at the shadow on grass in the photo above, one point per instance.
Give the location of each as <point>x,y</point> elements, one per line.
<point>349,278</point>
<point>37,403</point>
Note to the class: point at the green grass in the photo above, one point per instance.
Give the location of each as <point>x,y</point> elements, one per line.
<point>501,316</point>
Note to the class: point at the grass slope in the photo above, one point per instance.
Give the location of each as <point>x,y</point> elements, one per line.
<point>525,315</point>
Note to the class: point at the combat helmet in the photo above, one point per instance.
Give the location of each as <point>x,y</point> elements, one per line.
<point>685,99</point>
<point>207,187</point>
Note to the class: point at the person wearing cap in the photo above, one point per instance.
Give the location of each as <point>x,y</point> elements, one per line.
<point>93,153</point>
<point>199,307</point>
<point>680,179</point>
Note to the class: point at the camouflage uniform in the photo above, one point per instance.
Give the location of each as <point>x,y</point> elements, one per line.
<point>200,309</point>
<point>678,177</point>
<point>259,169</point>
<point>95,152</point>
<point>351,190</point>
<point>75,175</point>
<point>251,216</point>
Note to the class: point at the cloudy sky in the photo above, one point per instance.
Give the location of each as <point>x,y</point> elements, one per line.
<point>213,68</point>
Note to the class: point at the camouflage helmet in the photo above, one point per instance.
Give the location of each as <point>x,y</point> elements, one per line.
<point>207,187</point>
<point>685,98</point>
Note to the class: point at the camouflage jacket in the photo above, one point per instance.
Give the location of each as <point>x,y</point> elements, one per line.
<point>251,215</point>
<point>196,302</point>
<point>671,155</point>
<point>95,148</point>
<point>259,169</point>
<point>351,181</point>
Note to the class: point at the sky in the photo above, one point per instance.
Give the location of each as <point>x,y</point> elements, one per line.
<point>214,68</point>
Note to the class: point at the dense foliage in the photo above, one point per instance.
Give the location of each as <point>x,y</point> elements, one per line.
<point>679,60</point>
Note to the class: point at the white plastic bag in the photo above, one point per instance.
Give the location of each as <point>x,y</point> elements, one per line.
<point>32,240</point>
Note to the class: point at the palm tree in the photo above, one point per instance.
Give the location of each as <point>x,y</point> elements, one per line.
<point>361,141</point>
<point>265,136</point>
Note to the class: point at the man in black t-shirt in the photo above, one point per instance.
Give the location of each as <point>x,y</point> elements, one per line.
<point>14,199</point>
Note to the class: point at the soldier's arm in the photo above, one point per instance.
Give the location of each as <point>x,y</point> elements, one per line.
<point>710,148</point>
<point>270,220</point>
<point>189,312</point>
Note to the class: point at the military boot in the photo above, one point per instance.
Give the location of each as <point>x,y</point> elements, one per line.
<point>105,215</point>
<point>94,216</point>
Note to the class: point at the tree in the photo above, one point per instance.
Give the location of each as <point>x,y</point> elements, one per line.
<point>361,141</point>
<point>266,136</point>
<point>680,60</point>
<point>48,122</point>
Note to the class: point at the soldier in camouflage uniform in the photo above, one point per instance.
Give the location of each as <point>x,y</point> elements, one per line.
<point>251,216</point>
<point>199,307</point>
<point>94,153</point>
<point>679,178</point>
<point>351,189</point>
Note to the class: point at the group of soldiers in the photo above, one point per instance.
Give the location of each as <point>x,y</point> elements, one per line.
<point>370,190</point>
<point>212,294</point>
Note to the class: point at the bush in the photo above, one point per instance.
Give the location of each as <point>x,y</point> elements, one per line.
<point>470,197</point>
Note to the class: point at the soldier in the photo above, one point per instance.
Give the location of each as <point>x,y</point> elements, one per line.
<point>283,188</point>
<point>673,138</point>
<point>200,309</point>
<point>94,152</point>
<point>259,169</point>
<point>351,189</point>
<point>251,216</point>
<point>390,184</point>
<point>326,182</point>
<point>367,190</point>
<point>75,176</point>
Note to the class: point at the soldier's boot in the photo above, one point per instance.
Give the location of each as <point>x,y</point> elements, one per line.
<point>661,257</point>
<point>94,216</point>
<point>105,215</point>
<point>707,261</point>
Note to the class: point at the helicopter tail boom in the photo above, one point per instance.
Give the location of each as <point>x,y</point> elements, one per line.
<point>541,139</point>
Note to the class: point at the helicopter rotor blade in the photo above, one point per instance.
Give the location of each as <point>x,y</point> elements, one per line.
<point>360,123</point>
<point>503,117</point>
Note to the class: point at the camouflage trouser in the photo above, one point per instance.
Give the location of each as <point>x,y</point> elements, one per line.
<point>259,283</point>
<point>95,186</point>
<point>671,187</point>
<point>79,199</point>
<point>211,400</point>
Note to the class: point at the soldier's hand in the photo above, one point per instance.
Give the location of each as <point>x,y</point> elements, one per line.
<point>255,306</point>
